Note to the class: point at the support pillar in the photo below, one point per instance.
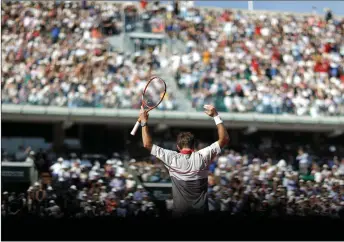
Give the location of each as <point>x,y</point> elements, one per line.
<point>58,137</point>
<point>81,135</point>
<point>234,137</point>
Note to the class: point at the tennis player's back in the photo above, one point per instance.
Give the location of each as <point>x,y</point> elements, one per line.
<point>189,176</point>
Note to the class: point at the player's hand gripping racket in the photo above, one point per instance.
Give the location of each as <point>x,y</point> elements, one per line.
<point>152,96</point>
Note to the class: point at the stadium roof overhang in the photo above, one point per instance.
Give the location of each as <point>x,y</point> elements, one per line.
<point>26,113</point>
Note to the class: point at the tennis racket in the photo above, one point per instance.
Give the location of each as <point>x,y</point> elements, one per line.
<point>152,96</point>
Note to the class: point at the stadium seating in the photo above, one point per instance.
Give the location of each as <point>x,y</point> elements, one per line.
<point>261,62</point>
<point>67,61</point>
<point>240,62</point>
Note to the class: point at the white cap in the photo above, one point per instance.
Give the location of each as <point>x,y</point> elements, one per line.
<point>73,187</point>
<point>119,163</point>
<point>32,152</point>
<point>282,163</point>
<point>100,181</point>
<point>36,183</point>
<point>49,188</point>
<point>30,189</point>
<point>130,176</point>
<point>64,166</point>
<point>108,162</point>
<point>60,159</point>
<point>114,190</point>
<point>133,167</point>
<point>5,193</point>
<point>52,201</point>
<point>150,204</point>
<point>61,179</point>
<point>139,186</point>
<point>216,188</point>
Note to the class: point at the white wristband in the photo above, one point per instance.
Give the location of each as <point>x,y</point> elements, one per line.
<point>218,120</point>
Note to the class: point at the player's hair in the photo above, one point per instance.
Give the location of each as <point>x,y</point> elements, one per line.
<point>186,140</point>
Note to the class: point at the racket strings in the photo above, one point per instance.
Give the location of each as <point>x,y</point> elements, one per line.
<point>154,93</point>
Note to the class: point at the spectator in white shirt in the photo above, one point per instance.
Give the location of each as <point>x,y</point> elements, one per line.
<point>57,167</point>
<point>130,183</point>
<point>303,161</point>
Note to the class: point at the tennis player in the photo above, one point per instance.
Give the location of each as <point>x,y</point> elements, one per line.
<point>188,168</point>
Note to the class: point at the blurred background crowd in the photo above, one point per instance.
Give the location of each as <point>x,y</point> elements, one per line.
<point>239,183</point>
<point>79,188</point>
<point>306,183</point>
<point>58,54</point>
<point>254,62</point>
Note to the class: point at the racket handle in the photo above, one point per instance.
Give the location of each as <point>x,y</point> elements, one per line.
<point>137,125</point>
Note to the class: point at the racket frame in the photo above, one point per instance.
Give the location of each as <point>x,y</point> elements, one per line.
<point>137,124</point>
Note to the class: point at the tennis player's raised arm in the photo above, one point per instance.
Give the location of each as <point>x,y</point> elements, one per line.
<point>146,137</point>
<point>223,134</point>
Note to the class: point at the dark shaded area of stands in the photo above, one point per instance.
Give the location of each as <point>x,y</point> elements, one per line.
<point>212,227</point>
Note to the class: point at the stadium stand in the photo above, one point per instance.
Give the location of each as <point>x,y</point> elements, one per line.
<point>261,62</point>
<point>240,62</point>
<point>57,54</point>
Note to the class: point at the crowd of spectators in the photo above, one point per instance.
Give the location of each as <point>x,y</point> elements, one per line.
<point>151,171</point>
<point>80,190</point>
<point>57,54</point>
<point>273,63</point>
<point>241,183</point>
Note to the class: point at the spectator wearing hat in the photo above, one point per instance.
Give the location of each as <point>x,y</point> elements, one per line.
<point>54,210</point>
<point>138,195</point>
<point>31,157</point>
<point>93,174</point>
<point>130,184</point>
<point>302,161</point>
<point>57,168</point>
<point>30,198</point>
<point>71,206</point>
<point>103,194</point>
<point>50,194</point>
<point>109,171</point>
